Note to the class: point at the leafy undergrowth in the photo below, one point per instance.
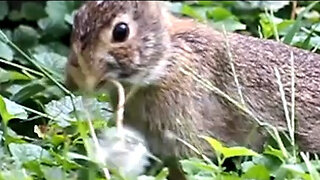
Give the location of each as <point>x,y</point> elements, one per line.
<point>45,134</point>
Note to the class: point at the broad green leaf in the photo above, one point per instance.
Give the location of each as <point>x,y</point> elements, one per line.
<point>215,144</point>
<point>52,62</point>
<point>6,76</point>
<point>257,172</point>
<point>64,112</point>
<point>66,161</point>
<point>4,36</point>
<point>15,15</point>
<point>245,166</point>
<point>197,13</point>
<point>163,174</point>
<point>230,25</point>
<point>267,23</point>
<point>10,110</point>
<point>219,13</point>
<point>284,27</point>
<point>52,47</point>
<point>229,152</point>
<point>193,166</point>
<point>176,7</point>
<point>273,5</point>
<point>226,176</point>
<point>32,11</point>
<point>34,166</point>
<point>53,173</point>
<point>272,163</point>
<point>274,152</point>
<point>144,177</point>
<point>5,52</point>
<point>25,37</point>
<point>28,152</point>
<point>53,29</point>
<point>262,5</point>
<point>296,168</point>
<point>56,10</point>
<point>27,92</point>
<point>238,151</point>
<point>69,17</point>
<point>316,27</point>
<point>3,9</point>
<point>15,174</point>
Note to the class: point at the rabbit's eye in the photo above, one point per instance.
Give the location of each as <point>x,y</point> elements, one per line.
<point>120,32</point>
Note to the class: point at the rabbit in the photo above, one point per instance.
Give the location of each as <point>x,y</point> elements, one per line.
<point>172,60</point>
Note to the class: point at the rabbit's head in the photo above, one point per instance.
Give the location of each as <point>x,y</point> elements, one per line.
<point>125,41</point>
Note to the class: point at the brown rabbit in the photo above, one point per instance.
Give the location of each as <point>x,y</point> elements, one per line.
<point>142,45</point>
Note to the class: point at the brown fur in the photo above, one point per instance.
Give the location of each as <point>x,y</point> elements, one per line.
<point>178,106</point>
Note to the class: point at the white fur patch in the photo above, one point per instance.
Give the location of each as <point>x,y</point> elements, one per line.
<point>99,2</point>
<point>157,71</point>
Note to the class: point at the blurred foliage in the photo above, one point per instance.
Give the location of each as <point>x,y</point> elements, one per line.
<point>41,137</point>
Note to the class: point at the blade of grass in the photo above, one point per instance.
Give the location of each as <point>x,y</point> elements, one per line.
<point>313,172</point>
<point>5,39</point>
<point>296,26</point>
<point>293,102</point>
<point>21,67</point>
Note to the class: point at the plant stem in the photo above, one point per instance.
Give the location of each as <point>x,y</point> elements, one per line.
<point>21,67</point>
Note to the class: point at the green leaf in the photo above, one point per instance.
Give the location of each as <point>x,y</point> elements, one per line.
<point>4,76</point>
<point>274,5</point>
<point>4,9</point>
<point>257,172</point>
<point>163,174</point>
<point>32,11</point>
<point>56,10</point>
<point>69,17</point>
<point>267,22</point>
<point>25,37</point>
<point>64,112</point>
<point>10,110</point>
<point>27,92</point>
<point>28,152</point>
<point>226,176</point>
<point>262,5</point>
<point>34,166</point>
<point>288,38</point>
<point>275,152</point>
<point>52,28</point>
<point>5,52</point>
<point>193,166</point>
<point>52,47</point>
<point>15,174</point>
<point>238,151</point>
<point>53,173</point>
<point>230,25</point>
<point>176,7</point>
<point>215,144</point>
<point>197,13</point>
<point>219,13</point>
<point>54,63</point>
<point>15,15</point>
<point>229,152</point>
